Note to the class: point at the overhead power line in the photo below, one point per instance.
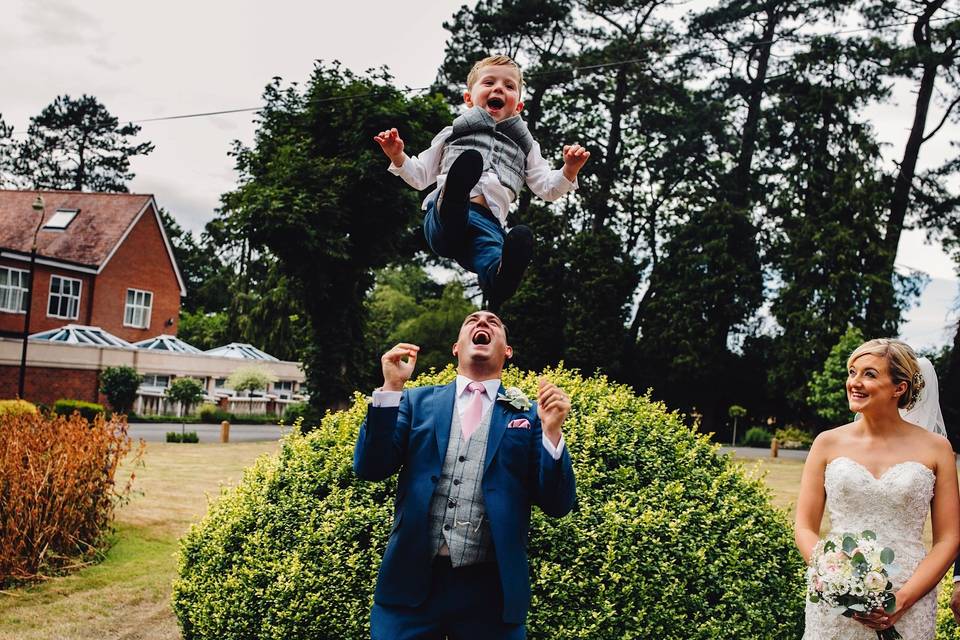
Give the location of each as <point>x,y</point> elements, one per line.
<point>572,70</point>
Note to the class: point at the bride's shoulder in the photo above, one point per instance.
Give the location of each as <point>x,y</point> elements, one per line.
<point>830,443</point>
<point>834,436</point>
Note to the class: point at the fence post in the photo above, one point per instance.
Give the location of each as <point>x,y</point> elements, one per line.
<point>774,448</point>
<point>225,431</point>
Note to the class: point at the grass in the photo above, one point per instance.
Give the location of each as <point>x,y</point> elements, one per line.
<point>127,594</point>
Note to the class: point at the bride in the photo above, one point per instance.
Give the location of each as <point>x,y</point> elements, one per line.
<point>885,474</point>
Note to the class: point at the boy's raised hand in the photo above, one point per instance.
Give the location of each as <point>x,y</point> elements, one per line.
<point>574,157</point>
<point>392,145</point>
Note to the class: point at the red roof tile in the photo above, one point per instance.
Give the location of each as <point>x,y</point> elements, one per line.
<point>89,238</point>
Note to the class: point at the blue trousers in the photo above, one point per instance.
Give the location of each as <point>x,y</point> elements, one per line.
<point>464,604</point>
<point>478,251</point>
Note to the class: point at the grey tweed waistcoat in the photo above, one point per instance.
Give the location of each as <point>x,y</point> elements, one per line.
<point>503,145</point>
<point>457,513</point>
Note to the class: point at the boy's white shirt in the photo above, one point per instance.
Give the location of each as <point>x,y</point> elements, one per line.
<point>424,169</point>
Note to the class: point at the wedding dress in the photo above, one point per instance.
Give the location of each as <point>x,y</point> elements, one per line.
<point>895,507</point>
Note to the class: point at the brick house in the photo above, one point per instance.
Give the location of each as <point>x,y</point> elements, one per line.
<point>106,292</point>
<point>103,259</point>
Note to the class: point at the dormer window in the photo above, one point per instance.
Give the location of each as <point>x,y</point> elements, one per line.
<point>59,220</point>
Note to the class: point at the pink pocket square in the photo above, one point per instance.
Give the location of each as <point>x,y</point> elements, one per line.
<point>519,423</point>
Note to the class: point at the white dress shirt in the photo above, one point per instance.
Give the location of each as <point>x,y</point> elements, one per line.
<point>392,399</point>
<point>423,170</point>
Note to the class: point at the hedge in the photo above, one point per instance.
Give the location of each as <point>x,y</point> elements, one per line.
<point>87,410</point>
<point>668,539</point>
<point>16,408</point>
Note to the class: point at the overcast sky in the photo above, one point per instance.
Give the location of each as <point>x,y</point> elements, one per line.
<point>147,60</point>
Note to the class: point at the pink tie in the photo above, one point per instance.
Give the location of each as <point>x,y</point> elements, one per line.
<point>474,411</point>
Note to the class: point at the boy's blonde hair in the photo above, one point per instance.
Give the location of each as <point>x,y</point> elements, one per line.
<point>902,362</point>
<point>494,61</point>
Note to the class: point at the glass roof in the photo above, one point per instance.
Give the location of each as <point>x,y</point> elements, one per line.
<point>166,343</point>
<point>80,334</point>
<point>242,351</point>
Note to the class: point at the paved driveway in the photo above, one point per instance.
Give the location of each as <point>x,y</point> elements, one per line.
<point>157,432</point>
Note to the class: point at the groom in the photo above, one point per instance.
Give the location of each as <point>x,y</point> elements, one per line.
<point>472,460</point>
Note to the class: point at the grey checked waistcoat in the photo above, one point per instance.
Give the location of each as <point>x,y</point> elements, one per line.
<point>503,145</point>
<point>457,513</point>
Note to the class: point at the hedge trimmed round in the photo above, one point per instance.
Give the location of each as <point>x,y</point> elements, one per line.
<point>668,539</point>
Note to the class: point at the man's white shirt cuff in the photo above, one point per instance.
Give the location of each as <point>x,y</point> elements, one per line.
<point>956,578</point>
<point>555,452</point>
<point>386,399</point>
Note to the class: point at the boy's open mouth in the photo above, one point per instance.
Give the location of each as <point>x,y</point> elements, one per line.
<point>495,103</point>
<point>481,336</point>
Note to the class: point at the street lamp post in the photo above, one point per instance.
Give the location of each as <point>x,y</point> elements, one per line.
<point>38,207</point>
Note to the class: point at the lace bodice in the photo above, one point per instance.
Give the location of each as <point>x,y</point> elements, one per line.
<point>895,507</point>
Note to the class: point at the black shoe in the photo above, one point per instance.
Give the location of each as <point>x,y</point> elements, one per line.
<point>517,252</point>
<point>455,199</point>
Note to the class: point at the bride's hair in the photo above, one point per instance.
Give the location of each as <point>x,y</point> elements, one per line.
<point>902,363</point>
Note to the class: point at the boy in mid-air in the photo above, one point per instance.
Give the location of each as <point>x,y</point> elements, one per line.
<point>480,164</point>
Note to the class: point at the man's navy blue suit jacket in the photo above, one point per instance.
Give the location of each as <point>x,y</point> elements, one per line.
<point>518,473</point>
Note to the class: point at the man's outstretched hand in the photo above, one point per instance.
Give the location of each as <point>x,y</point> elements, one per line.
<point>392,145</point>
<point>397,365</point>
<point>553,406</point>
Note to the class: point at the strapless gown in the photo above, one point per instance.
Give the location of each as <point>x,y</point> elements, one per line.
<point>895,507</point>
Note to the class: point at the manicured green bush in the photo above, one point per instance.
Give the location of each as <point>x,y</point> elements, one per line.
<point>297,410</point>
<point>668,539</point>
<point>16,408</point>
<point>757,437</point>
<point>794,438</point>
<point>212,414</point>
<point>87,410</point>
<point>189,437</point>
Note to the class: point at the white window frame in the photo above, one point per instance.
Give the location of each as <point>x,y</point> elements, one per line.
<point>73,301</point>
<point>11,291</point>
<point>150,380</point>
<point>60,220</point>
<point>131,309</point>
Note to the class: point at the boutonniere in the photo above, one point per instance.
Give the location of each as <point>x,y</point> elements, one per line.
<point>515,398</point>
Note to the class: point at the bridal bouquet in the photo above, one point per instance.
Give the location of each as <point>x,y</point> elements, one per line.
<point>851,574</point>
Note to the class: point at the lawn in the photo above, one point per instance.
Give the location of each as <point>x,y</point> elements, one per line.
<point>127,595</point>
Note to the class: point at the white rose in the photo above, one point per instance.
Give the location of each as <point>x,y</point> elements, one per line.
<point>874,581</point>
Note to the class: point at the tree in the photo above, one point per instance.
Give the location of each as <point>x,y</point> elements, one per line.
<point>185,391</point>
<point>250,379</point>
<point>950,391</point>
<point>204,330</point>
<point>406,305</point>
<point>931,61</point>
<point>313,192</point>
<point>7,153</point>
<point>707,287</point>
<point>736,412</point>
<point>120,385</point>
<point>77,144</point>
<point>435,327</point>
<point>828,392</point>
<point>827,204</point>
<point>208,280</point>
